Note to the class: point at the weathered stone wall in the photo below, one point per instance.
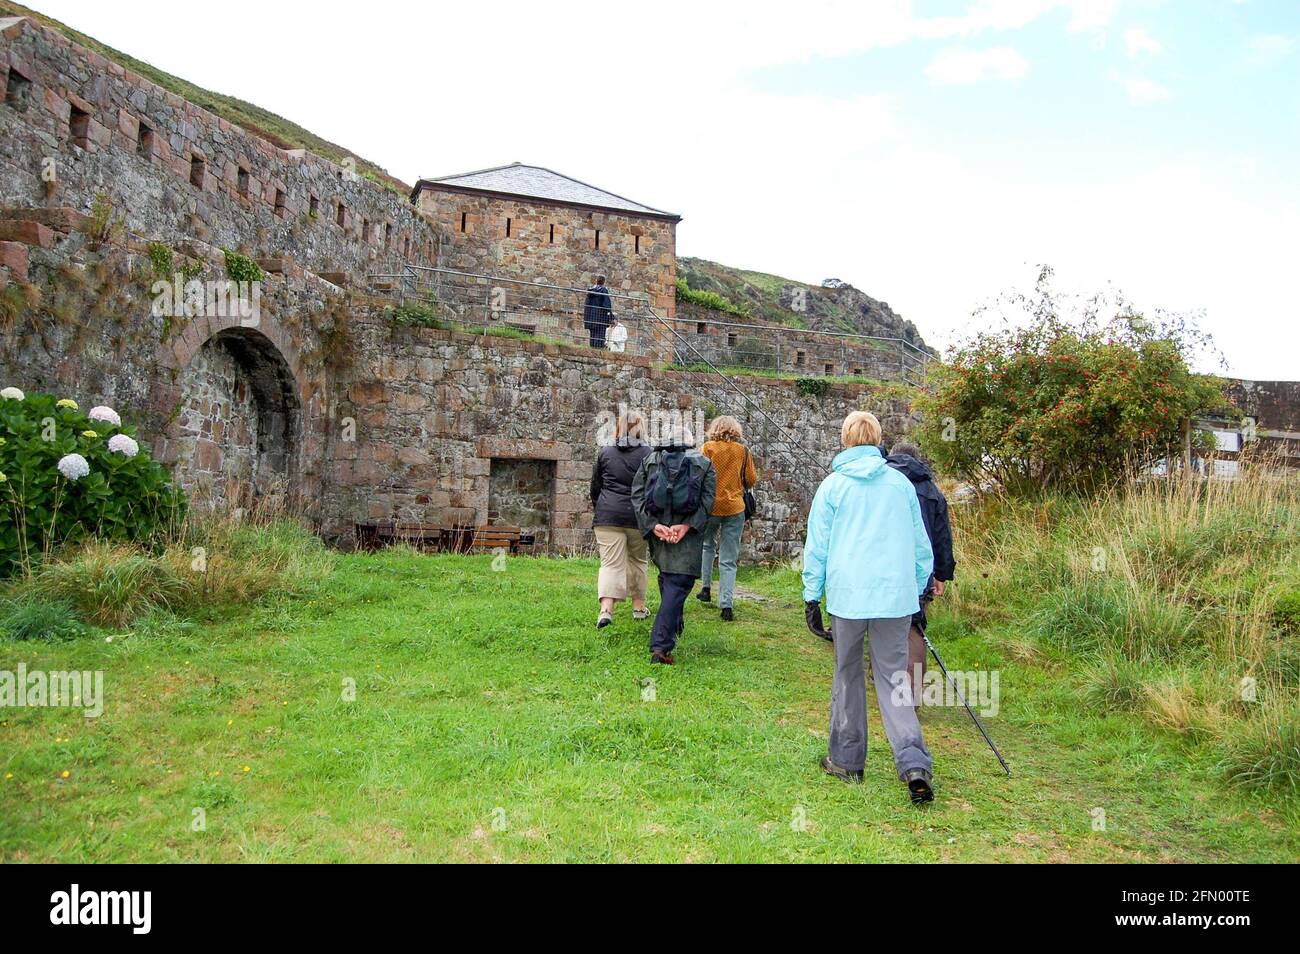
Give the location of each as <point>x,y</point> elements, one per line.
<point>555,244</point>
<point>75,126</point>
<point>434,414</point>
<point>734,342</point>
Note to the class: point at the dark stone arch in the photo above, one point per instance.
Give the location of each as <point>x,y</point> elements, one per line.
<point>237,436</point>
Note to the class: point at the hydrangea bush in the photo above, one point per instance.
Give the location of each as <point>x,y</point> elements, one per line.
<point>66,474</point>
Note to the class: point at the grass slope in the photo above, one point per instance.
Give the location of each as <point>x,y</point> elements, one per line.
<point>493,722</point>
<point>261,122</point>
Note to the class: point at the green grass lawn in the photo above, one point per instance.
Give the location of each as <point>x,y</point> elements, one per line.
<point>493,722</point>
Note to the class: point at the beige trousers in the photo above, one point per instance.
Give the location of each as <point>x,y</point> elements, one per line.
<point>624,556</point>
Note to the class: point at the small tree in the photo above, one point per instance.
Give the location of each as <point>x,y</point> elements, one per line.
<point>1066,401</point>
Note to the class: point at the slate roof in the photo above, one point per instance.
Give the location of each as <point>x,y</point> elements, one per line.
<point>536,182</point>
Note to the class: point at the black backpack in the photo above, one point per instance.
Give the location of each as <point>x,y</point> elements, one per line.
<point>676,486</point>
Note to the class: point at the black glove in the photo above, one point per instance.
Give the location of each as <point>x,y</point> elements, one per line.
<point>812,612</point>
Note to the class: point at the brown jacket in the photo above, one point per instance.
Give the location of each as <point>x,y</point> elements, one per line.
<point>729,457</point>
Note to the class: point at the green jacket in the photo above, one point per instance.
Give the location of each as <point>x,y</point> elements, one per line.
<point>683,557</point>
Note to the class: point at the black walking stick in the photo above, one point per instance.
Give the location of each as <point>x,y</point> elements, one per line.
<point>969,711</point>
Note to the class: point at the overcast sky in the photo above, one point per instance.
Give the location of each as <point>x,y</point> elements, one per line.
<point>930,153</point>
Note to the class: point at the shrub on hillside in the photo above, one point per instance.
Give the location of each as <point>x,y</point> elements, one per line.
<point>67,475</point>
<point>1070,402</point>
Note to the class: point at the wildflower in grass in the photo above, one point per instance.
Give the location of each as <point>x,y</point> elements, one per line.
<point>12,394</point>
<point>105,414</point>
<point>121,444</point>
<point>73,466</point>
<point>65,774</point>
<point>70,404</point>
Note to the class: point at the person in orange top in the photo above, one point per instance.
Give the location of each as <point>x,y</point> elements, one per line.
<point>736,473</point>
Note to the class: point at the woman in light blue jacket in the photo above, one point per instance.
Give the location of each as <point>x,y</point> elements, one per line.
<point>867,550</point>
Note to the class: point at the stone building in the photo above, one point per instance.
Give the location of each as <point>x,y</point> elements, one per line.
<point>533,224</point>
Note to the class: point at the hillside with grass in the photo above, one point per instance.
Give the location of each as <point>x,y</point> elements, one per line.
<point>408,706</point>
<point>832,306</point>
<point>261,122</point>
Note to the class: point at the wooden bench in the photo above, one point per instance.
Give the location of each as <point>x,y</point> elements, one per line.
<point>429,536</point>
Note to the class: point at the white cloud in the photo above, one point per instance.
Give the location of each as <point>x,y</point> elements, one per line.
<point>1142,91</point>
<point>963,67</point>
<point>1090,14</point>
<point>1138,41</point>
<point>1268,50</point>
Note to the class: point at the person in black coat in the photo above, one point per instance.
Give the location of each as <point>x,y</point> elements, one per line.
<point>597,312</point>
<point>624,553</point>
<point>906,458</point>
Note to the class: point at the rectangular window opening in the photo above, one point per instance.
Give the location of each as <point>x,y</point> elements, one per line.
<point>79,122</point>
<point>280,203</point>
<point>798,359</point>
<point>365,231</point>
<point>597,238</point>
<point>464,221</point>
<point>637,244</point>
<point>144,141</point>
<point>552,239</point>
<point>830,369</point>
<point>197,169</point>
<point>18,90</point>
<point>507,227</point>
<point>701,328</point>
<point>341,215</point>
<point>241,181</point>
<point>731,339</point>
<point>388,235</point>
<point>313,206</point>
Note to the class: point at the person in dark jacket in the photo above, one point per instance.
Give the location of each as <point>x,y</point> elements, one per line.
<point>906,458</point>
<point>672,497</point>
<point>624,555</point>
<point>596,312</point>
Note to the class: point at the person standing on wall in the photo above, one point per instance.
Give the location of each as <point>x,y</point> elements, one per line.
<point>597,311</point>
<point>624,555</point>
<point>868,552</point>
<point>906,458</point>
<point>672,496</point>
<point>736,474</point>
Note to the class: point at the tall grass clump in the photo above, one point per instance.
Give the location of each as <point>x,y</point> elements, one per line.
<point>1173,598</point>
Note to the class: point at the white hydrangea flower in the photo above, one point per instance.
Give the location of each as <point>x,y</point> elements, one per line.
<point>13,394</point>
<point>73,466</point>
<point>106,414</point>
<point>121,444</point>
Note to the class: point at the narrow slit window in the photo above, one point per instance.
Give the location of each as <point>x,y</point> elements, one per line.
<point>552,238</point>
<point>365,231</point>
<point>280,204</point>
<point>313,206</point>
<point>197,169</point>
<point>79,122</point>
<point>636,244</point>
<point>18,90</point>
<point>341,215</point>
<point>464,221</point>
<point>144,140</point>
<point>388,235</point>
<point>507,227</point>
<point>241,181</point>
<point>597,238</point>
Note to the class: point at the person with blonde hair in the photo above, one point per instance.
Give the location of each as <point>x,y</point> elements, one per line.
<point>624,556</point>
<point>868,551</point>
<point>736,474</point>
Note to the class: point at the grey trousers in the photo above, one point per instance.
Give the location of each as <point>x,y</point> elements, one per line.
<point>848,746</point>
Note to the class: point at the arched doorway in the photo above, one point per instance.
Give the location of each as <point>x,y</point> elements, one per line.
<point>238,429</point>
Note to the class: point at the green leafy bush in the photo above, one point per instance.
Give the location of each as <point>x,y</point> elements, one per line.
<point>66,475</point>
<point>1071,403</point>
<point>241,268</point>
<point>708,299</point>
<point>415,314</point>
